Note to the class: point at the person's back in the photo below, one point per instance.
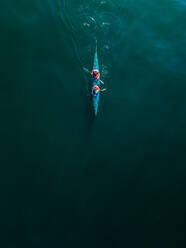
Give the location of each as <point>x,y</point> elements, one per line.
<point>95,73</point>
<point>95,90</point>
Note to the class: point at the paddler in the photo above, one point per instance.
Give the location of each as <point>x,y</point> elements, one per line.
<point>96,90</point>
<point>96,75</point>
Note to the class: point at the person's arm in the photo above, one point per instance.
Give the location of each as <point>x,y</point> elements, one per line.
<point>101,81</point>
<point>103,89</point>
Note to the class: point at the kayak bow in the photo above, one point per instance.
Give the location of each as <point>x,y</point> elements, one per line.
<point>95,99</point>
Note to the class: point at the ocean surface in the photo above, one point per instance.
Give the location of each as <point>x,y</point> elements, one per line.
<point>71,180</point>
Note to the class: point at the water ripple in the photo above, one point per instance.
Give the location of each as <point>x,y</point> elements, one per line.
<point>87,21</point>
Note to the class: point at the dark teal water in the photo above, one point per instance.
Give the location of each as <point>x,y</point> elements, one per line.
<point>67,179</point>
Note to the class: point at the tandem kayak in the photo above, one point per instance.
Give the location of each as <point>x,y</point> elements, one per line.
<point>95,98</point>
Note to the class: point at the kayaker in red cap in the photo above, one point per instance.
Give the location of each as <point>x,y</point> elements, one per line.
<point>95,73</point>
<point>96,90</point>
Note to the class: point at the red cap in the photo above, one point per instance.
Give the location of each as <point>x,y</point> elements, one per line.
<point>96,87</point>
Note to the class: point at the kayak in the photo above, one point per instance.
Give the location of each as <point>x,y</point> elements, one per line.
<point>95,98</point>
